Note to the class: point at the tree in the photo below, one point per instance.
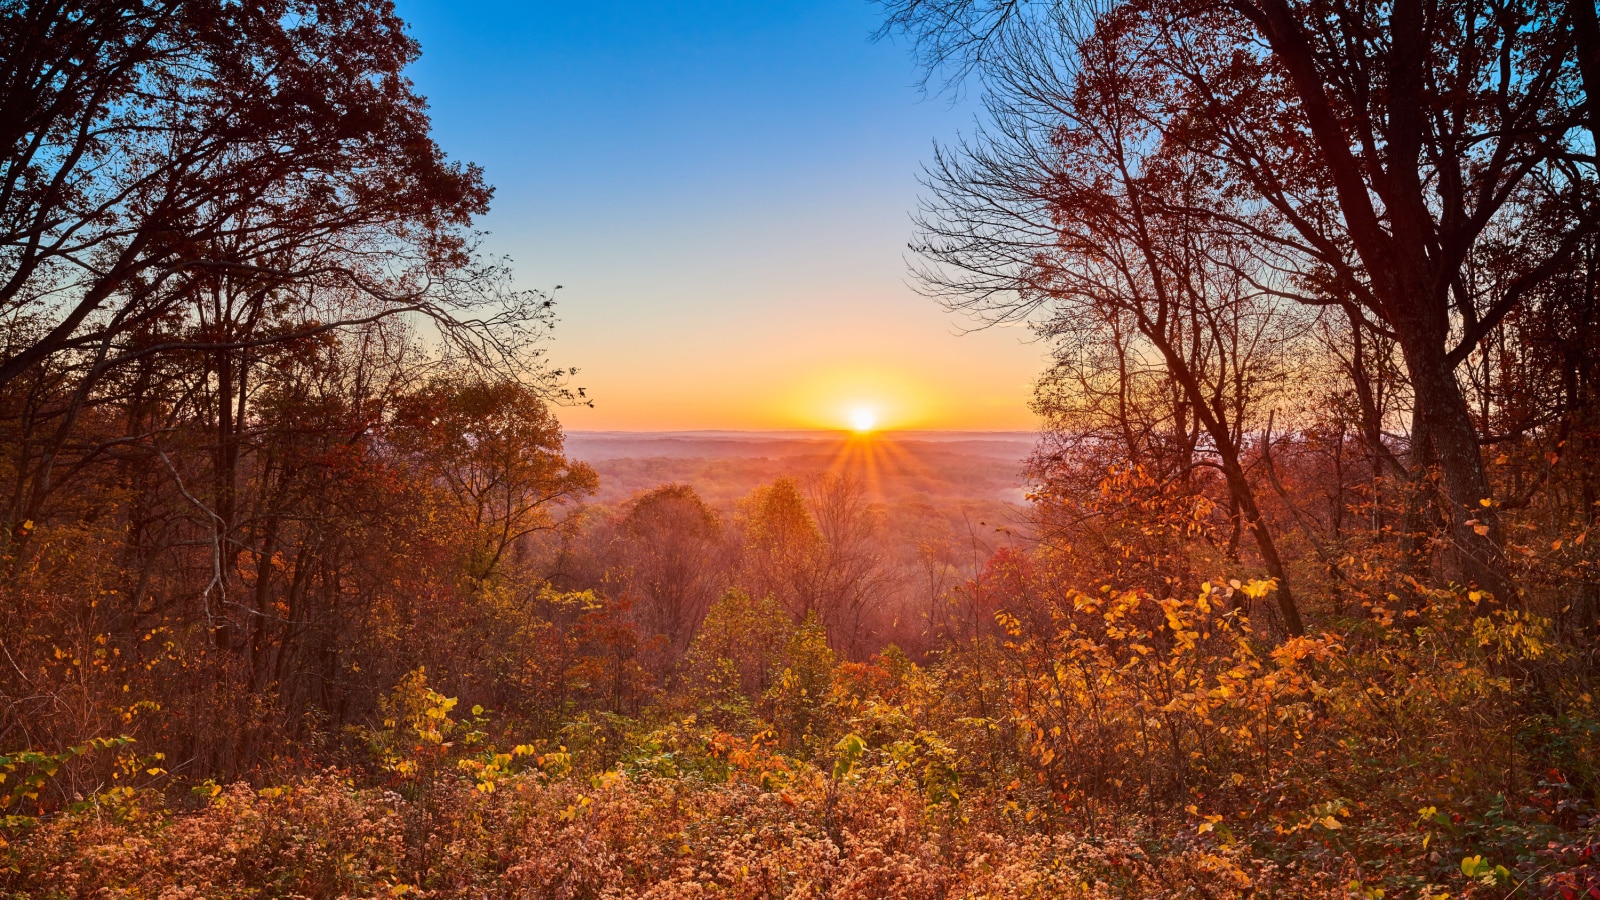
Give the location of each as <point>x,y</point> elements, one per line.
<point>497,450</point>
<point>783,548</point>
<point>233,266</point>
<point>852,574</point>
<point>670,554</point>
<point>815,551</point>
<point>1375,149</point>
<point>735,654</point>
<point>213,178</point>
<point>1170,345</point>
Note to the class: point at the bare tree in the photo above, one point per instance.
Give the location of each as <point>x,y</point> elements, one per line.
<point>1169,340</point>
<point>853,577</point>
<point>1370,151</point>
<point>170,169</point>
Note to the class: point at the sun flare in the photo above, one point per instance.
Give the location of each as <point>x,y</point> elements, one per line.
<point>863,420</point>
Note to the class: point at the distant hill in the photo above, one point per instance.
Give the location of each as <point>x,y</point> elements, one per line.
<point>978,468</point>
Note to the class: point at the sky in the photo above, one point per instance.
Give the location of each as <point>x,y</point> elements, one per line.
<point>724,191</point>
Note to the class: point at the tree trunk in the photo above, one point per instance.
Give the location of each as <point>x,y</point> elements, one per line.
<point>1442,418</point>
<point>1586,46</point>
<point>1245,496</point>
<point>1211,419</point>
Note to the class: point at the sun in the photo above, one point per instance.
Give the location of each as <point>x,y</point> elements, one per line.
<point>863,420</point>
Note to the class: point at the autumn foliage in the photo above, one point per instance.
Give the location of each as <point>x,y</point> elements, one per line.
<point>302,594</point>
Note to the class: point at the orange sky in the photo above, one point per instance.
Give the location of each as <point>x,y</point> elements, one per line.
<point>808,365</point>
<point>726,194</point>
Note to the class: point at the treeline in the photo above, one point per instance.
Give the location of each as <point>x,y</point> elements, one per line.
<point>1321,277</point>
<point>275,435</point>
<point>264,407</point>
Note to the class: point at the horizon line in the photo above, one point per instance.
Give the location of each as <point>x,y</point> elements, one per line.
<point>798,431</point>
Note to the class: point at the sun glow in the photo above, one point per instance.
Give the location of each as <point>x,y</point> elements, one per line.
<point>857,399</point>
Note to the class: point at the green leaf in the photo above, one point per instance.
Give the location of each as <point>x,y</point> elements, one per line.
<point>849,748</point>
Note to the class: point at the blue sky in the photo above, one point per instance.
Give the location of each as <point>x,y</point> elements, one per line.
<point>724,191</point>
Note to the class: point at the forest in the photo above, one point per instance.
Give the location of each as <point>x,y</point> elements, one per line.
<point>305,593</point>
